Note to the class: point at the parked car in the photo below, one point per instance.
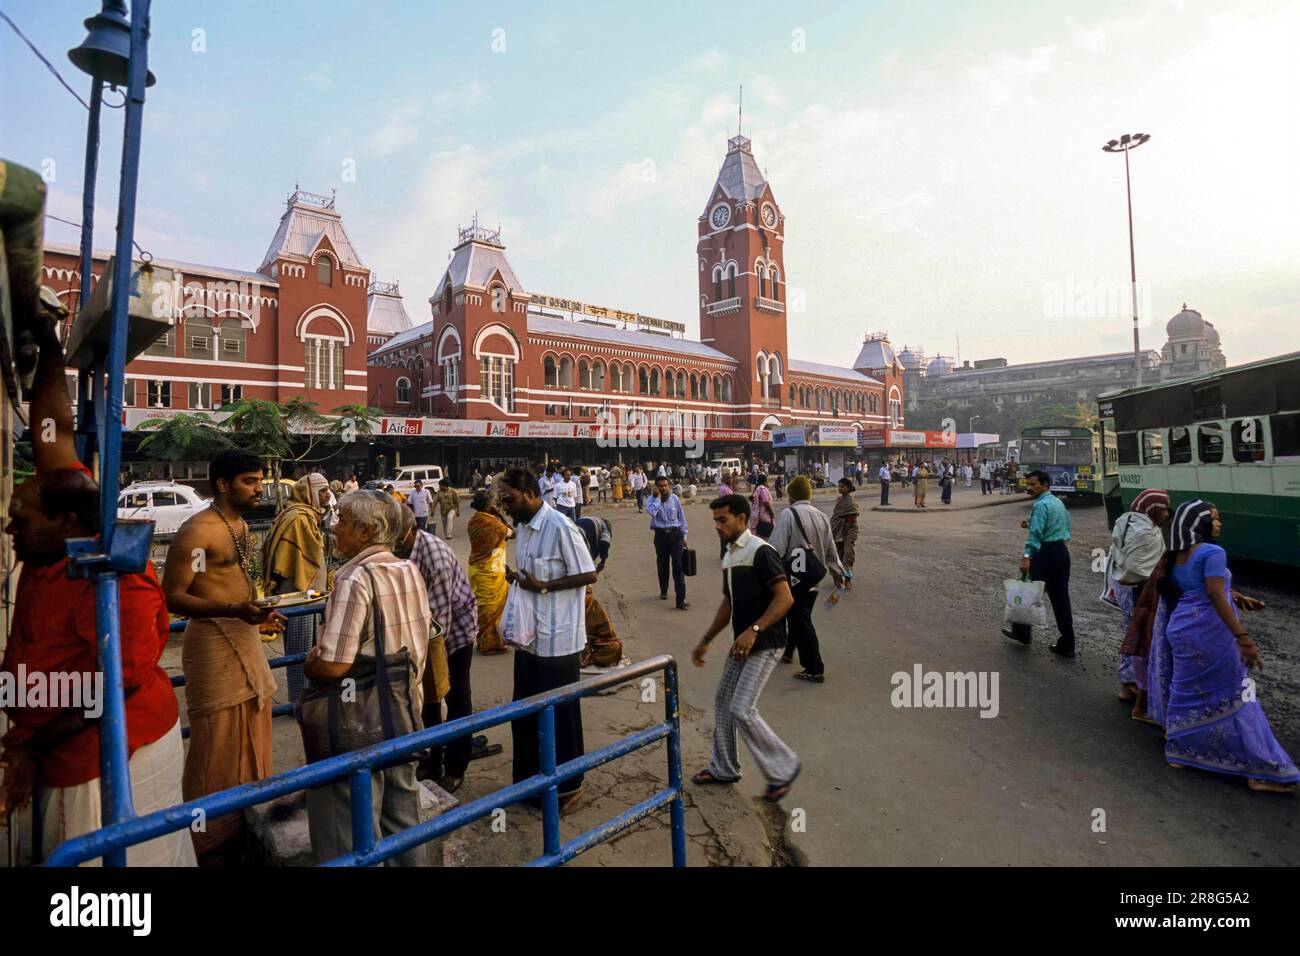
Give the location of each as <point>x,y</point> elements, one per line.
<point>166,503</point>
<point>431,475</point>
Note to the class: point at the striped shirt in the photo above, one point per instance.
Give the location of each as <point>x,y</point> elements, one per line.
<point>548,547</point>
<point>349,631</point>
<point>451,601</point>
<point>666,514</point>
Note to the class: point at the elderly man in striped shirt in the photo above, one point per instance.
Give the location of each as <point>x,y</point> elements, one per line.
<point>545,619</point>
<point>373,575</point>
<point>452,604</point>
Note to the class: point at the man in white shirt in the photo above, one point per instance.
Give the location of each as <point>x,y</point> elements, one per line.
<point>637,481</point>
<point>545,620</point>
<point>420,501</point>
<point>546,482</point>
<point>986,477</point>
<point>885,478</point>
<point>565,492</point>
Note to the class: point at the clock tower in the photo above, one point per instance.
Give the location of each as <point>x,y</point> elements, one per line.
<point>743,284</point>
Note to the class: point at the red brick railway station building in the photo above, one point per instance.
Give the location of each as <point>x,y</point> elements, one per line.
<point>499,373</point>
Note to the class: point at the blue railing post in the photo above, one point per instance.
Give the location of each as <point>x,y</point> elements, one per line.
<point>363,811</point>
<point>551,798</point>
<point>114,775</point>
<point>85,406</point>
<point>676,811</point>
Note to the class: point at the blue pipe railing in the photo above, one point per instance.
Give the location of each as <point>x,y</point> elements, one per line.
<point>358,766</point>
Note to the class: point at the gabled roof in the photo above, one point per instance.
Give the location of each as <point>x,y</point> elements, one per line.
<point>832,371</point>
<point>543,325</point>
<point>473,264</point>
<point>306,220</point>
<point>876,353</point>
<point>385,312</point>
<point>409,337</point>
<point>740,178</point>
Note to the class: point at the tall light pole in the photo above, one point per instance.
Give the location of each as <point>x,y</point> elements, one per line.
<point>1125,144</point>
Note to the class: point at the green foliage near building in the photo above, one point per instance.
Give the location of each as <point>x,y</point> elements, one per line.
<point>191,437</point>
<point>1060,407</point>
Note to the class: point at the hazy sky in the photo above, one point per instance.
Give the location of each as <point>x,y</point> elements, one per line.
<point>939,164</point>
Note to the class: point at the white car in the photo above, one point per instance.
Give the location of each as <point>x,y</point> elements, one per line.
<point>166,503</point>
<point>431,475</point>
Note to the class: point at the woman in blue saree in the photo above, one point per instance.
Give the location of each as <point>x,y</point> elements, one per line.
<point>1212,720</point>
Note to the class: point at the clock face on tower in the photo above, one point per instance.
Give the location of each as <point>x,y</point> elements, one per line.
<point>721,215</point>
<point>769,215</point>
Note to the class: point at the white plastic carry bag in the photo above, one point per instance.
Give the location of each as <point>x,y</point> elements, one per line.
<point>1025,602</point>
<point>519,617</point>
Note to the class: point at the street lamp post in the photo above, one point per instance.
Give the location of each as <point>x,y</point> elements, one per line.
<point>1125,144</point>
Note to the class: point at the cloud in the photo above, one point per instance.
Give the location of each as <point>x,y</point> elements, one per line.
<point>710,61</point>
<point>321,79</point>
<point>399,129</point>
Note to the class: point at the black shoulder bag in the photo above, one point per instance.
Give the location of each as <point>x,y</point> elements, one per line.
<point>803,567</point>
<point>368,705</point>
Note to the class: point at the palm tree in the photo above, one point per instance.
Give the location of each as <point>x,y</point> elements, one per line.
<point>1085,415</point>
<point>183,438</point>
<point>355,421</point>
<point>257,426</point>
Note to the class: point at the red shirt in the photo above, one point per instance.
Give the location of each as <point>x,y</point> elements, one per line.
<point>54,631</point>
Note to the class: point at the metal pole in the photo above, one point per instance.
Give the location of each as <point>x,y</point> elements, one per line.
<point>363,811</point>
<point>114,775</point>
<point>113,756</point>
<point>551,798</point>
<point>1132,267</point>
<point>676,811</point>
<point>84,391</point>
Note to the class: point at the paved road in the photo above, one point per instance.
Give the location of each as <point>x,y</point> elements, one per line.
<point>886,785</point>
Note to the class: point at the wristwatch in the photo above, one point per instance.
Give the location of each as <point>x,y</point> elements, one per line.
<point>543,589</point>
<point>755,629</point>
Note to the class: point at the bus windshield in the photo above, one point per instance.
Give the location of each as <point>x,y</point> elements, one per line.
<point>1036,451</point>
<point>1073,451</point>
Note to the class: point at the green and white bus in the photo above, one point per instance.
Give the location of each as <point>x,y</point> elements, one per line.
<point>1230,437</point>
<point>1078,459</point>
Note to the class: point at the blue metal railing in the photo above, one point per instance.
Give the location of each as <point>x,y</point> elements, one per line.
<point>358,766</point>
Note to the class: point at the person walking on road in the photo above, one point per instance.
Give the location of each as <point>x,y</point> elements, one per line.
<point>755,600</point>
<point>945,482</point>
<point>566,495</point>
<point>844,528</point>
<point>421,503</point>
<point>885,478</point>
<point>448,502</point>
<point>761,518</point>
<point>986,478</point>
<point>920,478</point>
<point>803,531</point>
<point>1047,559</point>
<point>637,481</point>
<point>668,521</point>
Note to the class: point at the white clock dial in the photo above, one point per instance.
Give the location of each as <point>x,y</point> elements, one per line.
<point>769,215</point>
<point>721,216</point>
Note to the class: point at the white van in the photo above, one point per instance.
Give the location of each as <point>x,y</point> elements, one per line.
<point>407,476</point>
<point>731,465</point>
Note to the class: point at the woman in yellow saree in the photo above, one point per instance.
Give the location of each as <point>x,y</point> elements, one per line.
<point>488,533</point>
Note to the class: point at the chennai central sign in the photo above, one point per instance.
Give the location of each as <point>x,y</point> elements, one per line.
<point>601,312</point>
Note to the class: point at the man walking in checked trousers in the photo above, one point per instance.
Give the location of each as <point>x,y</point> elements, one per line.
<point>755,599</point>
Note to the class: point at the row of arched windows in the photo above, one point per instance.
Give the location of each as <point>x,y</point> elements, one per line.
<point>627,378</point>
<point>834,400</point>
<point>725,274</point>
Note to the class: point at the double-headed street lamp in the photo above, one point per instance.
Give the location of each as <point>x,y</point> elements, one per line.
<point>1126,143</point>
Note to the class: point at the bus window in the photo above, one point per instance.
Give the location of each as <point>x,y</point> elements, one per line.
<point>1074,451</point>
<point>1127,446</point>
<point>1209,442</point>
<point>1286,436</point>
<point>1037,451</point>
<point>1180,446</point>
<point>1248,440</point>
<point>1153,448</point>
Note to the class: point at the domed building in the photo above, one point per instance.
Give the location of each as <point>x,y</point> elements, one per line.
<point>938,366</point>
<point>1192,346</point>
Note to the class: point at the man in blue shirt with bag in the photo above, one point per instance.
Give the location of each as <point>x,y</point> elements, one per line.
<point>1046,558</point>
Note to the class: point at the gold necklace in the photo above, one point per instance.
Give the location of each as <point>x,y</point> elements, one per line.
<point>241,549</point>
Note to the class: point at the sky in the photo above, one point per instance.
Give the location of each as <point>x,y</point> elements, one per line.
<point>939,164</point>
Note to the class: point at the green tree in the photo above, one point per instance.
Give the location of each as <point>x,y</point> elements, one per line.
<point>355,421</point>
<point>188,438</point>
<point>258,427</point>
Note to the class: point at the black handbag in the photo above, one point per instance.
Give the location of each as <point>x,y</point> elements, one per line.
<point>689,562</point>
<point>803,566</point>
<point>368,705</point>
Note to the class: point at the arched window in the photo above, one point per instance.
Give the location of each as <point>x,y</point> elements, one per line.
<point>792,394</point>
<point>627,378</point>
<point>774,278</point>
<point>655,388</point>
<point>726,389</point>
<point>584,374</point>
<point>717,283</point>
<point>717,387</point>
<point>670,383</point>
<point>598,375</point>
<point>566,372</point>
<point>403,389</point>
<point>325,270</point>
<point>643,380</point>
<point>615,381</point>
<point>681,383</point>
<point>761,273</point>
<point>704,387</point>
<point>731,281</point>
<point>550,372</point>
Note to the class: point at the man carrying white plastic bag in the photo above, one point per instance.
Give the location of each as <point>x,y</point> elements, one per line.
<point>1046,563</point>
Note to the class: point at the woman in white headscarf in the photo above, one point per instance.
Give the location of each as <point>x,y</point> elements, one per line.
<point>1136,547</point>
